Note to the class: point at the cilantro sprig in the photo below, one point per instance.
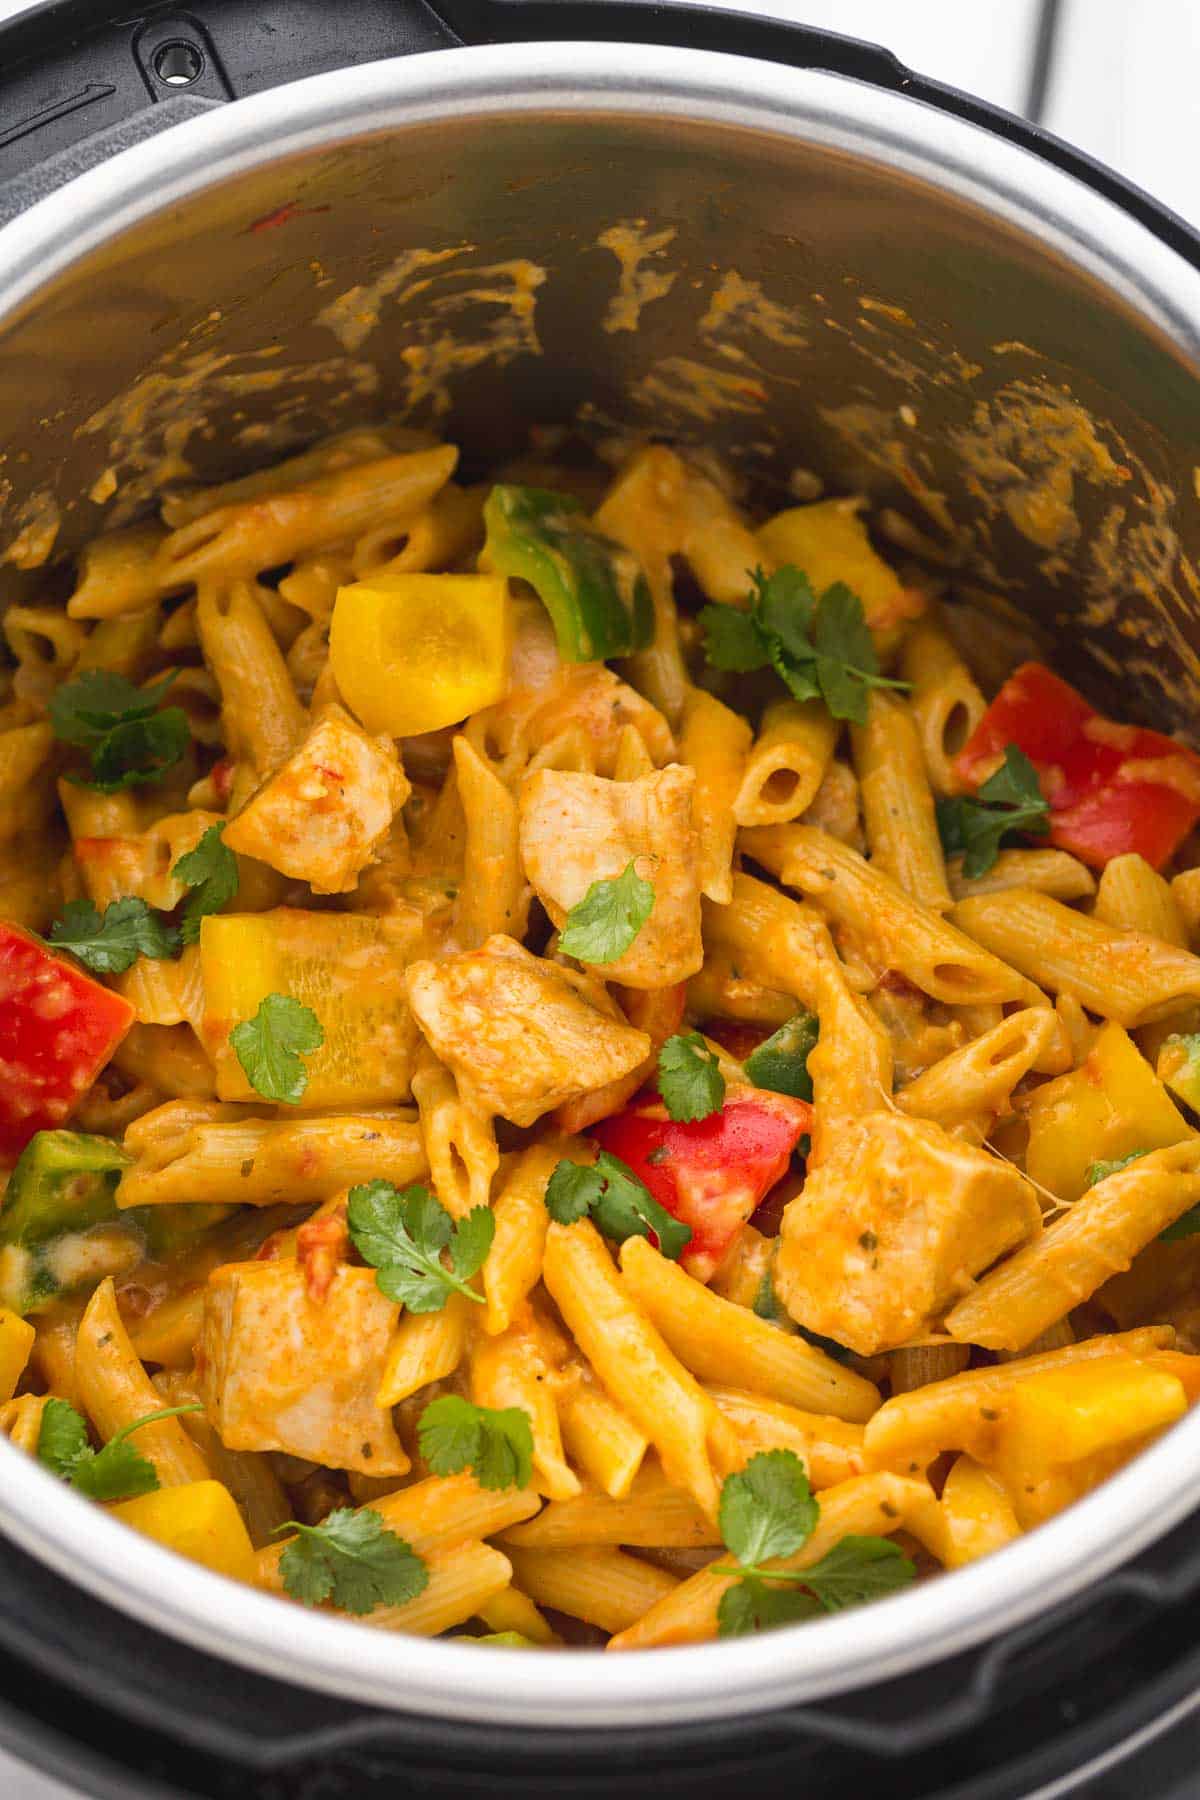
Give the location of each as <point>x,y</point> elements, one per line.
<point>404,1234</point>
<point>1009,800</point>
<point>353,1560</point>
<point>117,1472</point>
<point>821,648</point>
<point>769,1511</point>
<point>603,925</point>
<point>689,1077</point>
<point>211,871</point>
<point>497,1442</point>
<point>618,1202</point>
<point>108,943</point>
<point>270,1047</point>
<point>126,737</point>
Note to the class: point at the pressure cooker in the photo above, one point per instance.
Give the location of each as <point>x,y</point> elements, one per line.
<point>229,230</point>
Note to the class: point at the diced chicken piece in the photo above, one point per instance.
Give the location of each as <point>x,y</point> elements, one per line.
<point>281,1370</point>
<point>578,829</point>
<point>892,1227</point>
<point>520,1035</point>
<point>320,817</point>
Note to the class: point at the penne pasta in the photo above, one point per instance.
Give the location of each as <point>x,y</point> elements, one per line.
<point>603,1587</point>
<point>720,1342</point>
<point>897,802</point>
<point>786,763</point>
<point>1122,975</point>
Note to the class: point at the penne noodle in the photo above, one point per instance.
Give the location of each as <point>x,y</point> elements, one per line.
<point>1134,897</point>
<point>785,765</point>
<point>897,802</point>
<point>461,1582</point>
<point>514,1370</point>
<point>603,1587</point>
<point>980,1078</point>
<point>830,1448</point>
<point>1051,872</point>
<point>244,537</point>
<point>892,930</point>
<point>714,741</point>
<point>600,1440</point>
<point>426,1347</point>
<point>204,1150</point>
<point>634,1363</point>
<point>435,1514</point>
<point>1098,1238</point>
<point>459,1142</point>
<point>115,1391</point>
<point>514,1264</point>
<point>721,1342</point>
<point>945,702</point>
<point>493,895</point>
<point>653,1514</point>
<point>1122,975</point>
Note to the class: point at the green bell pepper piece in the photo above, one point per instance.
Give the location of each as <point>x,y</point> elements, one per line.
<point>508,1640</point>
<point>781,1062</point>
<point>62,1188</point>
<point>592,587</point>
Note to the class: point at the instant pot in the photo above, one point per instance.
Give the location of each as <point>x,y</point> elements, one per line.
<point>231,229</point>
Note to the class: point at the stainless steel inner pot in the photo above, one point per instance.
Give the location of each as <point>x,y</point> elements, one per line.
<point>807,274</point>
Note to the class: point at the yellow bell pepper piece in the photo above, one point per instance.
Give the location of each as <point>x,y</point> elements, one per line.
<point>16,1341</point>
<point>411,653</point>
<point>829,542</point>
<point>200,1520</point>
<point>979,1513</point>
<point>1064,1415</point>
<point>1111,1105</point>
<point>348,967</point>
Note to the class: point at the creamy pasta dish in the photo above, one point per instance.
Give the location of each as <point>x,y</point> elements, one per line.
<point>578,1068</point>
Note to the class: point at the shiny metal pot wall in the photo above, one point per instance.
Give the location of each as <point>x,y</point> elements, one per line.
<point>803,272</point>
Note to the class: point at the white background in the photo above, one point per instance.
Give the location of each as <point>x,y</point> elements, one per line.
<point>1124,88</point>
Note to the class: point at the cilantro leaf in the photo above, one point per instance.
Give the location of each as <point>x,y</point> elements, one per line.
<point>454,1434</point>
<point>619,1203</point>
<point>1011,799</point>
<point>752,1604</point>
<point>856,1570</point>
<point>353,1560</point>
<point>820,648</point>
<point>403,1233</point>
<point>572,1191</point>
<point>211,871</point>
<point>732,640</point>
<point>1100,1171</point>
<point>269,1046</point>
<point>62,1438</point>
<point>111,942</point>
<point>689,1077</point>
<point>118,1471</point>
<point>119,725</point>
<point>768,1509</point>
<point>608,918</point>
<point>784,606</point>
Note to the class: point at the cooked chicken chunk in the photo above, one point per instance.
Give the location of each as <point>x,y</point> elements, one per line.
<point>892,1227</point>
<point>320,817</point>
<point>577,829</point>
<point>283,1371</point>
<point>520,1035</point>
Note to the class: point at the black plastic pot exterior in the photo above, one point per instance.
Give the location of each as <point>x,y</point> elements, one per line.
<point>945,284</point>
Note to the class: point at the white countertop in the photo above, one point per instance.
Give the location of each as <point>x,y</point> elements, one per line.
<point>1124,86</point>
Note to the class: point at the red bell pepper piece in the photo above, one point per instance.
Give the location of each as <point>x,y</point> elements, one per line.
<point>709,1173</point>
<point>1112,788</point>
<point>58,1028</point>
